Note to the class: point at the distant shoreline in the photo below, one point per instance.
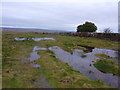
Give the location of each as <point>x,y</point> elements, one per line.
<point>25,31</point>
<point>32,29</point>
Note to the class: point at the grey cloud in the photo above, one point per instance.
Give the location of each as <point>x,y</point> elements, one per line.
<point>61,16</point>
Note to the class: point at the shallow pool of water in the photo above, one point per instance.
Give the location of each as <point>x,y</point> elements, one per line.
<point>36,65</point>
<point>38,39</point>
<point>21,39</point>
<point>33,56</point>
<point>85,65</point>
<point>42,82</point>
<point>35,39</point>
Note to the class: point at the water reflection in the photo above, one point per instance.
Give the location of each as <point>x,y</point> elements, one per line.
<point>38,39</point>
<point>21,39</point>
<point>33,56</point>
<point>35,39</point>
<point>85,65</point>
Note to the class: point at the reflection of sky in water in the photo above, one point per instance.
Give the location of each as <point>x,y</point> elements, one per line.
<point>35,39</point>
<point>34,56</point>
<point>37,66</point>
<point>38,39</point>
<point>85,65</point>
<point>20,38</point>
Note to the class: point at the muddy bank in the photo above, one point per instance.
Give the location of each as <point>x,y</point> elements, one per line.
<point>88,48</point>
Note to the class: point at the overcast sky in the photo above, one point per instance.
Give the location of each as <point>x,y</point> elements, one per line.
<point>60,14</point>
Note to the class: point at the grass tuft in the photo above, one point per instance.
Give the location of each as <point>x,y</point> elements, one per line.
<point>83,56</point>
<point>103,56</point>
<point>107,66</point>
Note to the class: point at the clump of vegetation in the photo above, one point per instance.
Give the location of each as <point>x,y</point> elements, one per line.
<point>107,66</point>
<point>83,56</point>
<point>87,27</point>
<point>51,52</point>
<point>103,56</point>
<point>69,44</point>
<point>65,74</point>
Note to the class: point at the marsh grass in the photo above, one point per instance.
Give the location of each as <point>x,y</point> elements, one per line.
<point>103,56</point>
<point>59,74</point>
<point>16,74</point>
<point>107,66</point>
<point>83,56</point>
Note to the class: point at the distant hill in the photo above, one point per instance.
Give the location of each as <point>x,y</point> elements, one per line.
<point>32,29</point>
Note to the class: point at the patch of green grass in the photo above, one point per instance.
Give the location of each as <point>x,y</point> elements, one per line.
<point>51,52</point>
<point>15,74</point>
<point>64,74</point>
<point>103,56</point>
<point>69,45</point>
<point>107,66</point>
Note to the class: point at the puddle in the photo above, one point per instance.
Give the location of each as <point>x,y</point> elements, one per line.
<point>85,65</point>
<point>36,66</point>
<point>33,56</point>
<point>35,39</point>
<point>21,39</point>
<point>38,48</point>
<point>38,39</point>
<point>41,82</point>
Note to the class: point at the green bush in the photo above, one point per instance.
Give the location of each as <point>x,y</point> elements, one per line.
<point>87,27</point>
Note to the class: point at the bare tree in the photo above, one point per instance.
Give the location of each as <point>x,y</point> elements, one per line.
<point>107,30</point>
